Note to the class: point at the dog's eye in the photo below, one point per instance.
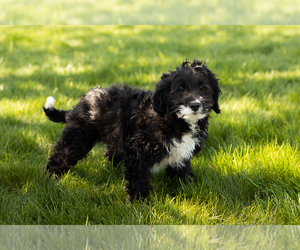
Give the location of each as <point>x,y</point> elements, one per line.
<point>201,87</point>
<point>181,89</point>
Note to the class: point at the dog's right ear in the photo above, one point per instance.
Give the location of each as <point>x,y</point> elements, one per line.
<point>161,94</point>
<point>216,89</point>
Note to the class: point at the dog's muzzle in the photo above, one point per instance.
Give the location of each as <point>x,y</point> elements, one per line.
<point>195,106</point>
<point>192,112</point>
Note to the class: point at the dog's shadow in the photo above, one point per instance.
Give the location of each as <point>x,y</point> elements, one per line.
<point>210,185</point>
<point>100,172</point>
<point>106,174</point>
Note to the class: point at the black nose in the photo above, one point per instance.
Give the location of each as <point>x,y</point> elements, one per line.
<point>194,105</point>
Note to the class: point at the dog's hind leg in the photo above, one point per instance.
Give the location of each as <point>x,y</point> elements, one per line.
<point>77,139</point>
<point>138,176</point>
<point>184,172</point>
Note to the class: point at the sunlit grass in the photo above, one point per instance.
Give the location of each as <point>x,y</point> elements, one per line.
<point>247,172</point>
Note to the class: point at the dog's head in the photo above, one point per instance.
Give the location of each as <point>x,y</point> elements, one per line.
<point>190,92</point>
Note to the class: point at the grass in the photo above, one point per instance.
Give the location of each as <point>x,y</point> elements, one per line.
<point>248,171</point>
<point>150,237</point>
<point>148,12</point>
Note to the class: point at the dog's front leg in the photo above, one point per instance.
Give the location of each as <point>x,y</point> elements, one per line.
<point>184,172</point>
<point>137,173</point>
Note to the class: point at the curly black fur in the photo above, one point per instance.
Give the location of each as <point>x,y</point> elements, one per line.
<point>148,131</point>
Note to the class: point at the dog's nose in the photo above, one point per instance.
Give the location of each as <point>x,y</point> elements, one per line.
<point>194,106</point>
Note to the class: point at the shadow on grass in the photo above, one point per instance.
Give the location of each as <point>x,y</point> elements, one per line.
<point>99,186</point>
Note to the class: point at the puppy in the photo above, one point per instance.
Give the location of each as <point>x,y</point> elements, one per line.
<point>148,131</point>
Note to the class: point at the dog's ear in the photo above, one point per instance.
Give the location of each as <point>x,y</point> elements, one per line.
<point>161,93</point>
<point>198,65</point>
<point>216,89</point>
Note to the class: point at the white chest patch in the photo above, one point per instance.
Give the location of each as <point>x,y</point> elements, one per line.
<point>178,152</point>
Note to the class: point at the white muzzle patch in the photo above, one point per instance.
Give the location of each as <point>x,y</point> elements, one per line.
<point>191,116</point>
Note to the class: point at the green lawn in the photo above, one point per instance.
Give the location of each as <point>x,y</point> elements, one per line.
<point>248,171</point>
<point>124,12</point>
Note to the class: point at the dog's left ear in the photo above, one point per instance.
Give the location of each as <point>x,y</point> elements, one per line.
<point>161,94</point>
<point>198,65</point>
<point>216,89</point>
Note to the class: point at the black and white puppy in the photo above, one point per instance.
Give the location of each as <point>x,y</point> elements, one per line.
<point>148,131</point>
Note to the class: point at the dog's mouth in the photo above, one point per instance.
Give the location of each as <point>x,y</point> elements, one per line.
<point>193,111</point>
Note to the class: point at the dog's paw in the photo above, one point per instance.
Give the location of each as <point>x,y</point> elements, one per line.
<point>190,176</point>
<point>139,194</point>
<point>183,174</point>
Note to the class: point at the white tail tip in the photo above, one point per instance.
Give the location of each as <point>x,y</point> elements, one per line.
<point>49,103</point>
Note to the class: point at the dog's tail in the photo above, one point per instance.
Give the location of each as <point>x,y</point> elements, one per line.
<point>52,113</point>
